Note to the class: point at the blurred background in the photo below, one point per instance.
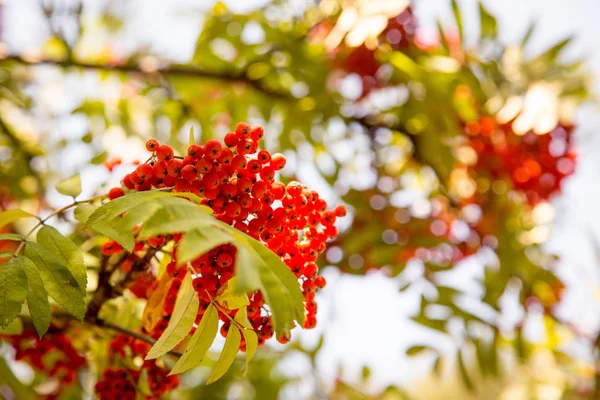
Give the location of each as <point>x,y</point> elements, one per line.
<point>462,136</point>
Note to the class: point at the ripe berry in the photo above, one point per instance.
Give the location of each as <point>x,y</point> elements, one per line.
<point>278,161</point>
<point>233,210</point>
<point>174,167</point>
<point>231,139</point>
<point>152,145</point>
<point>195,151</point>
<point>242,130</point>
<point>212,149</point>
<point>189,173</point>
<point>160,169</point>
<point>164,153</point>
<point>144,171</point>
<point>115,192</point>
<point>320,282</point>
<point>257,132</point>
<point>263,157</point>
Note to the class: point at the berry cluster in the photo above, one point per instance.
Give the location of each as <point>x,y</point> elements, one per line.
<point>237,181</point>
<point>398,34</point>
<point>124,383</point>
<point>535,164</point>
<point>53,355</point>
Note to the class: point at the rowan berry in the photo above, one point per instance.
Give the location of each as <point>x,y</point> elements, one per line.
<point>115,192</point>
<point>152,145</point>
<point>242,130</point>
<point>164,153</point>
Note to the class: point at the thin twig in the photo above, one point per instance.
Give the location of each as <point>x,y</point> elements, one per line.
<point>173,70</point>
<point>136,335</point>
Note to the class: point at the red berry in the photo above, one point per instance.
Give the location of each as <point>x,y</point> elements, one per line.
<point>257,132</point>
<point>152,145</point>
<point>115,192</point>
<point>212,149</point>
<point>230,139</point>
<point>195,151</point>
<point>242,130</point>
<point>189,173</point>
<point>164,153</point>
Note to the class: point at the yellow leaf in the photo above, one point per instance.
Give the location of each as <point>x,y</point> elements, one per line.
<point>228,298</point>
<point>153,311</point>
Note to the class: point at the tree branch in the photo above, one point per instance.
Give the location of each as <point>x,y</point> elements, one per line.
<point>136,335</point>
<point>173,70</point>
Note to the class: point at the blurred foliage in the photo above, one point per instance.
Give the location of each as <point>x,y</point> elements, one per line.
<point>383,123</point>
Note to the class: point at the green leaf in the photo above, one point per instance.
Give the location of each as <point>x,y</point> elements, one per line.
<point>200,342</point>
<point>99,158</point>
<point>14,328</point>
<point>230,298</point>
<point>182,320</point>
<point>59,281</point>
<point>11,236</point>
<point>442,35</point>
<point>405,64</point>
<point>250,337</point>
<point>257,267</point>
<point>83,211</point>
<point>464,373</point>
<point>116,207</point>
<point>528,34</point>
<point>70,186</point>
<point>197,242</point>
<point>230,349</point>
<point>10,216</point>
<point>66,251</point>
<point>174,218</point>
<point>415,350</point>
<point>458,19</point>
<point>192,139</point>
<point>37,297</point>
<point>488,24</point>
<point>13,291</point>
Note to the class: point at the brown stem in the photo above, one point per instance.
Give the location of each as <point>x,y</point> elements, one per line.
<point>28,323</point>
<point>136,335</point>
<point>105,291</point>
<point>173,70</point>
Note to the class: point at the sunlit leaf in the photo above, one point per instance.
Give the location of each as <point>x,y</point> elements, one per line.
<point>229,298</point>
<point>11,236</point>
<point>13,290</point>
<point>66,251</point>
<point>37,297</point>
<point>230,349</point>
<point>154,305</point>
<point>14,328</point>
<point>200,342</point>
<point>458,19</point>
<point>9,216</point>
<point>250,337</point>
<point>70,186</point>
<point>488,24</point>
<point>182,319</point>
<point>199,241</point>
<point>58,280</point>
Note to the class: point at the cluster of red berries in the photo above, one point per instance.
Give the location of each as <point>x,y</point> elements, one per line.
<point>237,181</point>
<point>535,164</point>
<point>124,383</point>
<point>399,34</point>
<point>53,355</point>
